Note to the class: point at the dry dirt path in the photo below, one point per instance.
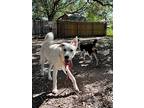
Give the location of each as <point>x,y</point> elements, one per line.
<point>95,84</point>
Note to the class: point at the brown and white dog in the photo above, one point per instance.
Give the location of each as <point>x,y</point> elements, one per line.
<point>59,57</point>
<point>88,49</point>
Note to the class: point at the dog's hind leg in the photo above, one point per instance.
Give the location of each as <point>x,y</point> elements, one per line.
<point>42,61</point>
<point>95,58</point>
<point>55,70</point>
<point>90,56</point>
<point>49,72</point>
<point>72,78</point>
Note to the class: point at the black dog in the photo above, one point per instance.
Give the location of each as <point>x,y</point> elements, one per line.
<point>88,49</point>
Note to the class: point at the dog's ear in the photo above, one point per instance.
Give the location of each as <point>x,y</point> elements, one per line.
<point>74,42</point>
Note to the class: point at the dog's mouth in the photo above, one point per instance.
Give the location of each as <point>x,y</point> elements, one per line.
<point>68,63</point>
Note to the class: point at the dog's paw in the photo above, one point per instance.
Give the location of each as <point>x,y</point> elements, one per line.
<point>97,63</point>
<point>55,91</point>
<point>76,89</point>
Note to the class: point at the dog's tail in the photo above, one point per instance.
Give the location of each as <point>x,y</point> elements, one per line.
<point>49,38</point>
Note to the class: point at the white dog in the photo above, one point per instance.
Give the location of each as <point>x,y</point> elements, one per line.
<point>57,55</point>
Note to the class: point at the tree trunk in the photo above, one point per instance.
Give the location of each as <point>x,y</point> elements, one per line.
<point>50,25</point>
<point>50,17</point>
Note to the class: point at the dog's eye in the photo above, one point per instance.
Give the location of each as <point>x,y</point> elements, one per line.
<point>64,49</point>
<point>71,50</point>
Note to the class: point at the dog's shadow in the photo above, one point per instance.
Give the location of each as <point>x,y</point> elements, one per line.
<point>42,87</point>
<point>40,98</point>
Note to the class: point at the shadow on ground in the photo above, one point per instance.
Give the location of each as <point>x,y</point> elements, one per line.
<point>95,84</point>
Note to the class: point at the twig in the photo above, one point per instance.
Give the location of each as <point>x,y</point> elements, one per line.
<point>62,92</point>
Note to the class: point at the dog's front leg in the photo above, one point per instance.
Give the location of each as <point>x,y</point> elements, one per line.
<point>84,57</point>
<point>81,54</point>
<point>55,70</point>
<point>72,79</point>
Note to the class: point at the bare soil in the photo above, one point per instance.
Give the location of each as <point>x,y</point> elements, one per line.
<point>94,82</point>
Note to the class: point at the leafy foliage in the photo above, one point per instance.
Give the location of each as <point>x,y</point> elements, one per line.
<point>92,10</point>
<point>53,9</point>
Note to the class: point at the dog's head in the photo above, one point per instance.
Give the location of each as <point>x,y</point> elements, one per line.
<point>95,41</point>
<point>69,49</point>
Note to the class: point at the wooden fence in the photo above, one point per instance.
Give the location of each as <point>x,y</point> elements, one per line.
<point>83,29</point>
<point>40,27</point>
<point>70,29</point>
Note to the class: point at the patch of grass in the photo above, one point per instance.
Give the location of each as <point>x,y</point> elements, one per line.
<point>109,32</point>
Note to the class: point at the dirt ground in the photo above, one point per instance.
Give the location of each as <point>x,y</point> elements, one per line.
<point>94,82</point>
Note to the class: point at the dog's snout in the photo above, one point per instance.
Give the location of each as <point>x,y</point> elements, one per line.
<point>66,57</point>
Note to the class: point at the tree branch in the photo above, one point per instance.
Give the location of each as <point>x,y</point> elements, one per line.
<point>73,11</point>
<point>55,4</point>
<point>77,9</point>
<point>44,4</point>
<point>103,4</point>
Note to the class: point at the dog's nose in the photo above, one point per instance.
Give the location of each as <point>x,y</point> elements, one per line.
<point>66,57</point>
